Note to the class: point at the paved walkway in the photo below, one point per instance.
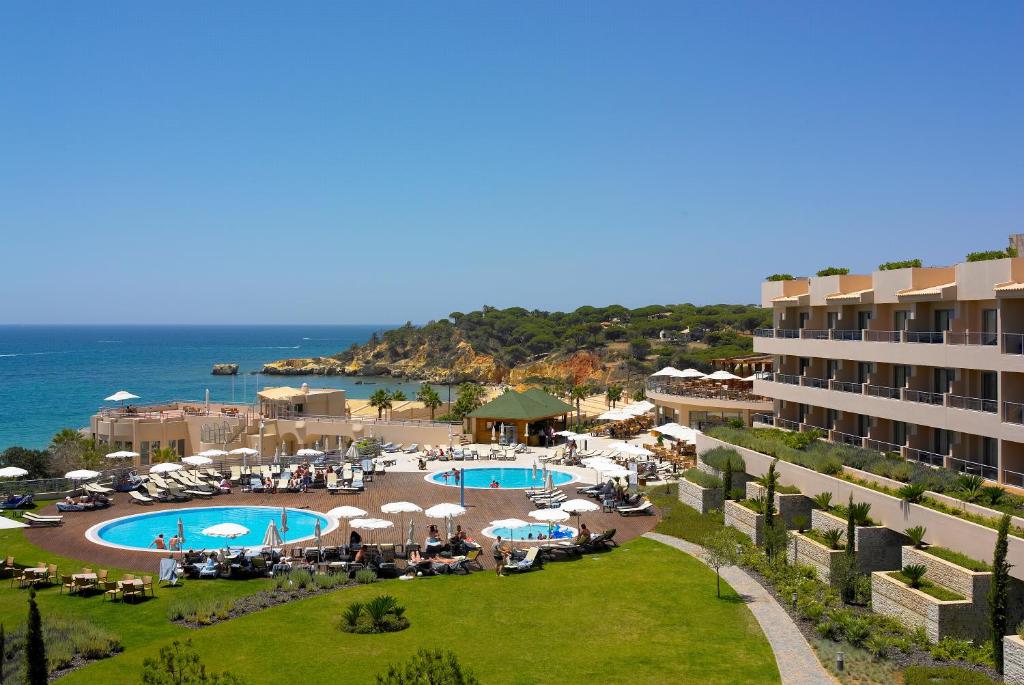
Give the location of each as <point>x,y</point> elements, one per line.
<point>797,662</point>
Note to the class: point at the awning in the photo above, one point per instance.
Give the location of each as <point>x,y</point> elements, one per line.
<point>865,296</point>
<point>803,298</point>
<point>945,291</point>
<point>1009,289</point>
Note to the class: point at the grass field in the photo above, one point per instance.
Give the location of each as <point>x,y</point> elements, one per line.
<point>644,613</point>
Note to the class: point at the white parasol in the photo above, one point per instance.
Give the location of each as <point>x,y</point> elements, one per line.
<point>371,524</point>
<point>245,451</point>
<point>401,508</point>
<point>165,467</point>
<point>721,376</point>
<point>307,452</point>
<point>121,396</point>
<point>197,460</point>
<point>12,472</point>
<point>226,530</point>
<point>346,512</point>
<point>213,454</point>
<point>122,454</point>
<point>81,474</point>
<point>511,524</point>
<point>576,507</point>
<point>272,538</point>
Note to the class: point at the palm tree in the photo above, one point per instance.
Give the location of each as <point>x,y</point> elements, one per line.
<point>613,394</point>
<point>380,400</point>
<point>398,396</point>
<point>578,394</point>
<point>430,399</point>
<point>164,454</point>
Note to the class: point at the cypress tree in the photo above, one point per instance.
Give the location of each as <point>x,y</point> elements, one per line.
<point>997,592</point>
<point>35,649</point>
<point>851,553</point>
<point>769,498</point>
<point>726,479</point>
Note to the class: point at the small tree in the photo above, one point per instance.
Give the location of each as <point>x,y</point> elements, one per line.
<point>719,552</point>
<point>851,552</point>
<point>997,592</point>
<point>430,399</point>
<point>380,400</point>
<point>37,672</point>
<point>178,664</point>
<point>726,479</point>
<point>578,394</point>
<point>428,667</point>
<point>613,394</point>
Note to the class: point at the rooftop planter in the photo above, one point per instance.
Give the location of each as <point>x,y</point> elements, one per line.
<point>790,506</point>
<point>914,608</point>
<point>877,547</point>
<point>745,520</point>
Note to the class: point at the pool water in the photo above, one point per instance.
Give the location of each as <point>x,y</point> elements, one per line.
<point>508,478</point>
<point>558,532</point>
<point>138,531</point>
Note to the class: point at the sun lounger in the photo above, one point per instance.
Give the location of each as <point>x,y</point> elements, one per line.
<point>332,482</point>
<point>282,484</point>
<point>412,449</point>
<point>523,565</point>
<point>550,502</point>
<point>256,484</point>
<point>645,508</point>
<point>213,474</point>
<point>17,502</point>
<point>139,498</point>
<point>97,489</point>
<point>36,520</point>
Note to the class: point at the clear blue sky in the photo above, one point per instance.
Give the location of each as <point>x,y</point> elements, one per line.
<point>267,163</point>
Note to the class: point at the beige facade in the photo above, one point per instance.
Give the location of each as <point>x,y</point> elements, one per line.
<point>284,421</point>
<point>926,362</point>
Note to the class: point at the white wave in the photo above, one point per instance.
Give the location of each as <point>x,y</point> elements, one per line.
<point>30,354</point>
<point>277,347</point>
<point>110,341</point>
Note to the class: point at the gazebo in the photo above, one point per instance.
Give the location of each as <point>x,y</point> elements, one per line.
<point>518,417</point>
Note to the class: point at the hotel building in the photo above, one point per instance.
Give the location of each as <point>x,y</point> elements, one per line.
<point>924,362</point>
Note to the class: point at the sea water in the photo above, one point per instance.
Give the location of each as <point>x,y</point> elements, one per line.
<point>54,377</point>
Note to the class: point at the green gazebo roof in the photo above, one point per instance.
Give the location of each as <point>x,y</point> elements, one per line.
<point>522,406</point>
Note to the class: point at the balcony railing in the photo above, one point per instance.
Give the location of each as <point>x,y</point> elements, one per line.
<point>764,333</point>
<point>704,391</point>
<point>1013,412</point>
<point>881,445</point>
<point>848,439</point>
<point>813,382</point>
<point>883,336</point>
<point>975,467</point>
<point>787,378</point>
<point>925,457</point>
<point>786,423</point>
<point>926,337</point>
<point>837,334</point>
<point>808,334</point>
<point>845,386</point>
<point>883,391</point>
<point>972,404</point>
<point>787,332</point>
<point>970,338</point>
<point>923,396</point>
<point>766,419</point>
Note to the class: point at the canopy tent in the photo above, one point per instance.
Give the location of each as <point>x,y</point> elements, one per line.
<point>531,405</point>
<point>615,415</point>
<point>677,432</point>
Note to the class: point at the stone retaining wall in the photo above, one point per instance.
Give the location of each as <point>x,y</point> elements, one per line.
<point>913,608</point>
<point>803,550</point>
<point>1013,660</point>
<point>745,521</point>
<point>973,585</point>
<point>878,548</point>
<point>789,507</point>
<point>699,498</point>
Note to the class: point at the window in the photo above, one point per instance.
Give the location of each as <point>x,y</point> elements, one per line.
<point>833,320</point>
<point>989,385</point>
<point>988,326</point>
<point>900,375</point>
<point>900,319</point>
<point>832,368</point>
<point>804,363</point>
<point>803,413</point>
<point>943,379</point>
<point>899,433</point>
<point>804,317</point>
<point>863,319</point>
<point>863,370</point>
<point>179,447</point>
<point>941,441</point>
<point>989,451</point>
<point>943,319</point>
<point>144,452</point>
<point>863,425</point>
<point>830,418</point>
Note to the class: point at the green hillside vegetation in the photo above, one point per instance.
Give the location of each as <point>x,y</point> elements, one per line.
<point>517,335</point>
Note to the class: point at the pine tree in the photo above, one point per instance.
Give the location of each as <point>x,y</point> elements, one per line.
<point>35,648</point>
<point>726,479</point>
<point>997,593</point>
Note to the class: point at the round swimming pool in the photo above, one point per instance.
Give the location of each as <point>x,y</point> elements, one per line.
<point>508,478</point>
<point>138,531</point>
<point>531,532</point>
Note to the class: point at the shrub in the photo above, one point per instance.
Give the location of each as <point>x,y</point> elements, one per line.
<point>428,666</point>
<point>382,614</point>
<point>811,609</point>
<point>705,480</point>
<point>857,631</point>
<point>911,492</point>
<point>879,645</point>
<point>202,611</point>
<point>780,277</point>
<point>915,574</point>
<point>860,512</point>
<point>365,576</point>
<point>64,639</point>
<point>834,271</point>
<point>991,254</point>
<point>717,457</point>
<point>944,675</point>
<point>904,264</point>
<point>916,535</point>
<point>952,649</point>
<point>823,500</point>
<point>832,537</point>
<point>179,663</point>
<point>800,521</point>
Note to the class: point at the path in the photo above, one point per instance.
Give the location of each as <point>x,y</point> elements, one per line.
<point>797,662</point>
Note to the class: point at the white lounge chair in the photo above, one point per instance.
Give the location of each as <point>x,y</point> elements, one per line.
<point>139,498</point>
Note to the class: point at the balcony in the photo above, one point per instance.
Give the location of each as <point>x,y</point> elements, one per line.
<point>787,378</point>
<point>924,397</point>
<point>813,382</point>
<point>846,386</point>
<point>883,391</point>
<point>972,403</point>
<point>925,337</point>
<point>1013,412</point>
<point>926,457</point>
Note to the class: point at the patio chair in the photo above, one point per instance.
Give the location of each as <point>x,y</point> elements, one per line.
<point>139,498</point>
<point>646,508</point>
<point>236,474</point>
<point>35,520</point>
<point>412,449</point>
<point>67,583</point>
<point>526,564</point>
<point>110,590</point>
<point>147,584</point>
<point>9,565</point>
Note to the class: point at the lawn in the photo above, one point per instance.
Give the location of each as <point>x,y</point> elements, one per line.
<point>644,613</point>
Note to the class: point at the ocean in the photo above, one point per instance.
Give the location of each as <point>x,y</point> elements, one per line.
<point>54,377</point>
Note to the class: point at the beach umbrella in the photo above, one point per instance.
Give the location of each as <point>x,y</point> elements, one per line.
<point>81,474</point>
<point>346,512</point>
<point>549,516</point>
<point>213,454</point>
<point>6,523</point>
<point>121,396</point>
<point>352,453</point>
<point>197,460</point>
<point>511,524</point>
<point>401,508</point>
<point>576,507</point>
<point>181,536</point>
<point>272,538</point>
<point>446,511</point>
<point>493,434</point>
<point>164,467</point>
<point>284,520</point>
<point>122,454</point>
<point>668,371</point>
<point>533,473</point>
<point>721,375</point>
<point>12,472</point>
<point>226,530</point>
<point>307,452</point>
<point>412,531</point>
<point>370,524</point>
<point>245,451</point>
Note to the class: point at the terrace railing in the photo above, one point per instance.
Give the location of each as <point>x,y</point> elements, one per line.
<point>808,334</point>
<point>923,396</point>
<point>883,336</point>
<point>845,386</point>
<point>970,338</point>
<point>926,457</point>
<point>881,445</point>
<point>764,333</point>
<point>926,337</point>
<point>973,467</point>
<point>787,378</point>
<point>1013,343</point>
<point>972,403</point>
<point>837,334</point>
<point>1013,412</point>
<point>809,382</point>
<point>883,391</point>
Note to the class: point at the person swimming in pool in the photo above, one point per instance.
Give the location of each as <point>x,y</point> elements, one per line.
<point>158,542</point>
<point>495,483</point>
